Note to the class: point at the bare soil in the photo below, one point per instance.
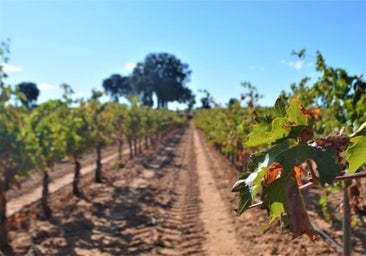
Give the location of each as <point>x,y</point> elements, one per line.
<point>173,200</point>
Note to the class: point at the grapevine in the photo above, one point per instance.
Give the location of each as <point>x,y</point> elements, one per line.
<point>293,152</point>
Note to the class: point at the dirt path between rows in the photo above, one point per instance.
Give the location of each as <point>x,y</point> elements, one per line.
<point>175,199</point>
<point>220,237</point>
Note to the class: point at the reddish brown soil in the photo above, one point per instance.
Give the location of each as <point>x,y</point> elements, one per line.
<point>174,200</point>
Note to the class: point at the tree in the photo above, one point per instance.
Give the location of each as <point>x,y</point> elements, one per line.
<point>188,97</point>
<point>142,86</point>
<point>162,74</point>
<point>207,99</point>
<point>116,86</point>
<point>31,93</point>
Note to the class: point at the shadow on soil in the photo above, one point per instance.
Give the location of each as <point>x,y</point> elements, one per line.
<point>114,218</point>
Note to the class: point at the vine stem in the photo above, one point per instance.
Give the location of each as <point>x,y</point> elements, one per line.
<point>358,175</point>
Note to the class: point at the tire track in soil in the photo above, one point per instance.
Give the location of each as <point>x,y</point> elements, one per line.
<point>178,229</point>
<point>182,231</point>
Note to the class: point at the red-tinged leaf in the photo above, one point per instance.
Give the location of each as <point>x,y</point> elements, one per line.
<point>298,217</point>
<point>306,135</point>
<point>298,173</point>
<point>311,112</point>
<point>273,173</point>
<point>336,142</point>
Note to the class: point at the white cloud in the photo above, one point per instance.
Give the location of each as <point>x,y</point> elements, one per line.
<point>10,69</point>
<point>48,87</point>
<point>129,67</point>
<point>254,67</point>
<point>294,64</point>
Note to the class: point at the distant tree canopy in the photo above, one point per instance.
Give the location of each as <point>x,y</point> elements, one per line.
<point>161,74</point>
<point>31,93</point>
<point>142,85</point>
<point>206,100</point>
<point>116,86</point>
<point>168,76</point>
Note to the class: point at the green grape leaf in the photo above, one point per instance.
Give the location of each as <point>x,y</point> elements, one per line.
<point>280,108</point>
<point>261,135</point>
<point>276,210</point>
<point>258,158</point>
<point>248,186</point>
<point>295,114</point>
<point>245,196</point>
<point>356,153</point>
<point>325,160</point>
<point>274,197</point>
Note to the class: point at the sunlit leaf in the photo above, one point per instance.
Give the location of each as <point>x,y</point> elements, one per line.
<point>356,153</point>
<point>280,108</point>
<point>248,186</point>
<point>261,135</point>
<point>294,113</point>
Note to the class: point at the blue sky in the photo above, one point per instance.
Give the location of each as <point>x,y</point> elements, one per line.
<point>82,42</point>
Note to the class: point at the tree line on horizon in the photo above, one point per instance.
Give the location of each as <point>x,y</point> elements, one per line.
<point>160,74</point>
